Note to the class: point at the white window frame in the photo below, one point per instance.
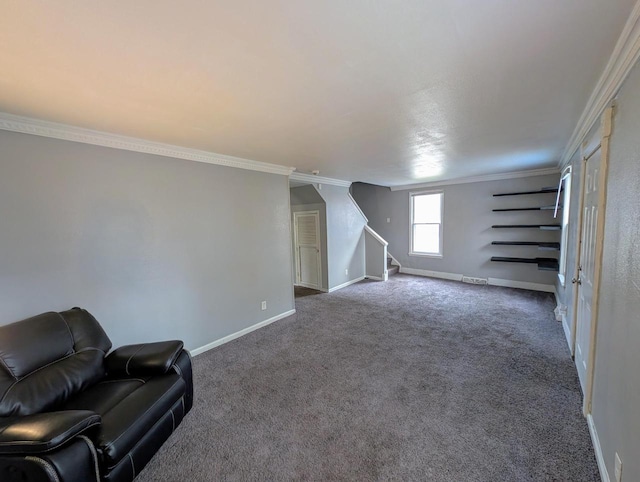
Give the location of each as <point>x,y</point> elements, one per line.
<point>565,182</point>
<point>411,224</point>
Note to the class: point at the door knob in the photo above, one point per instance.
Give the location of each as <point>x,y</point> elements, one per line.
<point>576,280</point>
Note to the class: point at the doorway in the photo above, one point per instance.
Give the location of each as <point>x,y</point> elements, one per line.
<point>307,249</point>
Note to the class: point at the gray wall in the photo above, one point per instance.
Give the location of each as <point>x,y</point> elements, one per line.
<point>345,238</point>
<point>154,247</point>
<point>305,195</point>
<point>468,218</point>
<point>306,198</point>
<point>616,390</point>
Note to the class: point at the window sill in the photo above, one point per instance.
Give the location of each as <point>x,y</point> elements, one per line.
<point>426,255</point>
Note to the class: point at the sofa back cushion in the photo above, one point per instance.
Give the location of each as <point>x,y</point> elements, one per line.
<point>46,359</point>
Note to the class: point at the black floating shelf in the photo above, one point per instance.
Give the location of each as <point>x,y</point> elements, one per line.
<point>539,208</point>
<point>544,264</point>
<point>544,227</point>
<point>544,190</point>
<point>541,246</point>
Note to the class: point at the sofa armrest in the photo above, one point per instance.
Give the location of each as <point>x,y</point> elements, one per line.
<point>43,432</point>
<point>146,359</point>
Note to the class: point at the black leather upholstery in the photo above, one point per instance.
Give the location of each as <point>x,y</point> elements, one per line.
<point>143,360</point>
<point>74,462</point>
<point>126,418</point>
<point>44,431</point>
<point>61,398</point>
<point>48,358</point>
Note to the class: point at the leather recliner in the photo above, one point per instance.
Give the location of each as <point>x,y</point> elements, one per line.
<point>71,411</point>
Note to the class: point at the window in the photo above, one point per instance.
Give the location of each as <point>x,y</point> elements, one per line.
<point>565,189</point>
<point>426,223</point>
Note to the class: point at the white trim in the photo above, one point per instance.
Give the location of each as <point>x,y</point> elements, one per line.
<point>358,207</point>
<point>606,125</point>
<point>431,274</point>
<point>483,178</point>
<point>375,235</point>
<point>523,285</point>
<point>312,179</point>
<point>623,58</point>
<point>567,332</point>
<point>561,316</point>
<point>602,466</point>
<point>54,130</point>
<point>238,334</point>
<point>412,195</point>
<point>344,285</point>
<point>562,279</point>
<point>558,309</point>
<point>578,249</point>
<point>296,248</point>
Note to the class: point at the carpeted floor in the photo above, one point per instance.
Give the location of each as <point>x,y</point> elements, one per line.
<point>413,379</point>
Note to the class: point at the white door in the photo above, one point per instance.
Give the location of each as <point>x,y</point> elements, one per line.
<point>307,247</point>
<point>586,269</point>
<point>595,153</point>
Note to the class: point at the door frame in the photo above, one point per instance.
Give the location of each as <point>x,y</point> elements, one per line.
<point>590,146</point>
<point>316,213</point>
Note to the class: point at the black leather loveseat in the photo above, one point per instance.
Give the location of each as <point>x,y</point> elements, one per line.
<point>70,411</point>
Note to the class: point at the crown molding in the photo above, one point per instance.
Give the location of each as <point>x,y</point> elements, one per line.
<point>624,57</point>
<point>313,179</point>
<point>36,127</point>
<point>484,178</point>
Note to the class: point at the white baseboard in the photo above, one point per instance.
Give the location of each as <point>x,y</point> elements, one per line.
<point>523,285</point>
<point>561,316</point>
<point>604,475</point>
<point>431,274</point>
<point>344,285</point>
<point>240,333</point>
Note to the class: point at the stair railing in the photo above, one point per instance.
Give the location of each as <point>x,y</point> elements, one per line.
<point>375,255</point>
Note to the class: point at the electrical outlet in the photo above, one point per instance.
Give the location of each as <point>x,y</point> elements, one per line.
<point>388,220</point>
<point>618,469</point>
<point>264,305</point>
<point>346,271</point>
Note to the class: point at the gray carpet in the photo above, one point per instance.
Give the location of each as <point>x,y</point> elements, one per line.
<point>413,379</point>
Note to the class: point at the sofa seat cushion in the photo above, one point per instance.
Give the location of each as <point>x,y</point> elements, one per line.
<point>129,409</point>
<point>105,395</point>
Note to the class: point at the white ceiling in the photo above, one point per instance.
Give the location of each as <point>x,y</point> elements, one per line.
<point>387,92</point>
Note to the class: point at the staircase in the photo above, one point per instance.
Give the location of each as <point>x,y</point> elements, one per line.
<point>392,268</point>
